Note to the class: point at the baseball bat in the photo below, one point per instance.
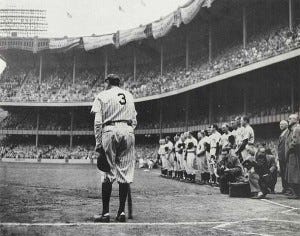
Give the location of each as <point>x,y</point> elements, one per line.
<point>129,203</point>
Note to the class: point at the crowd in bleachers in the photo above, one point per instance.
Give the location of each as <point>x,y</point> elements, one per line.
<point>30,151</point>
<point>57,85</point>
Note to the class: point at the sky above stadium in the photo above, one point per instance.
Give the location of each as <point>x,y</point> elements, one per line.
<point>87,17</point>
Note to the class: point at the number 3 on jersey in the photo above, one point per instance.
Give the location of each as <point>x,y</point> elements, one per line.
<point>122,100</point>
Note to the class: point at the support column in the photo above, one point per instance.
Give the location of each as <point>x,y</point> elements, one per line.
<point>291,22</point>
<point>187,52</point>
<point>210,42</point>
<point>37,128</point>
<point>134,64</point>
<point>187,108</point>
<point>244,27</point>
<point>210,105</point>
<point>245,97</point>
<point>293,94</point>
<point>105,63</point>
<point>160,118</point>
<point>161,59</point>
<point>71,131</point>
<point>41,67</point>
<point>74,69</point>
<point>226,105</point>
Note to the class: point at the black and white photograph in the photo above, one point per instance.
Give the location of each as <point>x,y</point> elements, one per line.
<point>149,117</point>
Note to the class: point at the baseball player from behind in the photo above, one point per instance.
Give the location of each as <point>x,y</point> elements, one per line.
<point>115,120</point>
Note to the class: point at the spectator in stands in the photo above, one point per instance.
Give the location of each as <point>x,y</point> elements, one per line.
<point>57,84</point>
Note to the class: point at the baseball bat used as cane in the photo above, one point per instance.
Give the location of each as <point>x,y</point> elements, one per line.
<point>129,203</point>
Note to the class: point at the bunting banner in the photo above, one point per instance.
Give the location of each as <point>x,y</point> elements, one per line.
<point>163,26</point>
<point>65,43</point>
<point>127,36</point>
<point>189,12</point>
<point>93,42</point>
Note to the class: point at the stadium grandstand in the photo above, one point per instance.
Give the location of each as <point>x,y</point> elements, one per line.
<point>204,63</point>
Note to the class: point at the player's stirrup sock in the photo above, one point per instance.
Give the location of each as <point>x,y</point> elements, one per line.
<point>123,192</point>
<point>106,192</point>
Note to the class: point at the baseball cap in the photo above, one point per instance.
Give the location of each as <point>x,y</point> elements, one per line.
<point>113,79</point>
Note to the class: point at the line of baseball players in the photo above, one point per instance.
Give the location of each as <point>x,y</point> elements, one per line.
<point>232,156</point>
<point>188,156</point>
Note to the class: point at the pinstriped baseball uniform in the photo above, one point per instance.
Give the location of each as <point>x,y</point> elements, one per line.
<point>169,156</point>
<point>112,107</point>
<point>191,155</point>
<point>202,155</point>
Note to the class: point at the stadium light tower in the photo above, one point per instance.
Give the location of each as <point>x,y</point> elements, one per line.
<point>22,22</point>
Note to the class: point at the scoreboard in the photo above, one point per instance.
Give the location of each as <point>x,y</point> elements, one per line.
<point>23,22</point>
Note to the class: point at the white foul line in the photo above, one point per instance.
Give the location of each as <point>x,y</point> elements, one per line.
<point>219,224</point>
<point>113,223</point>
<point>278,204</point>
<point>222,226</point>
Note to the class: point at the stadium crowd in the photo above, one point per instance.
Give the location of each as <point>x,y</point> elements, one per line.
<point>27,151</point>
<point>231,159</point>
<point>57,85</point>
<point>30,151</point>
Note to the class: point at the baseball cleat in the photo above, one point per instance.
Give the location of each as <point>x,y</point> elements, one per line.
<point>121,217</point>
<point>102,218</point>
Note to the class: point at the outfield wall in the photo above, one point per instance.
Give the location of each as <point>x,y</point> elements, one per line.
<point>49,161</point>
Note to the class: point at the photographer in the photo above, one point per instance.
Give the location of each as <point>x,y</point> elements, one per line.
<point>229,167</point>
<point>263,173</point>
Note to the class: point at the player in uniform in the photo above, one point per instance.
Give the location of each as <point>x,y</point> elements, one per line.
<point>169,156</point>
<point>224,137</point>
<point>115,121</point>
<point>177,149</point>
<point>214,151</point>
<point>162,156</point>
<point>247,143</point>
<point>202,156</point>
<point>191,145</point>
<point>180,145</point>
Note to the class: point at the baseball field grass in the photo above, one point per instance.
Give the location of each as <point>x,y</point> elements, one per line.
<point>61,199</point>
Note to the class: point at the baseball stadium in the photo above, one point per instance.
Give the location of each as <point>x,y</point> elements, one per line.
<point>201,66</point>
